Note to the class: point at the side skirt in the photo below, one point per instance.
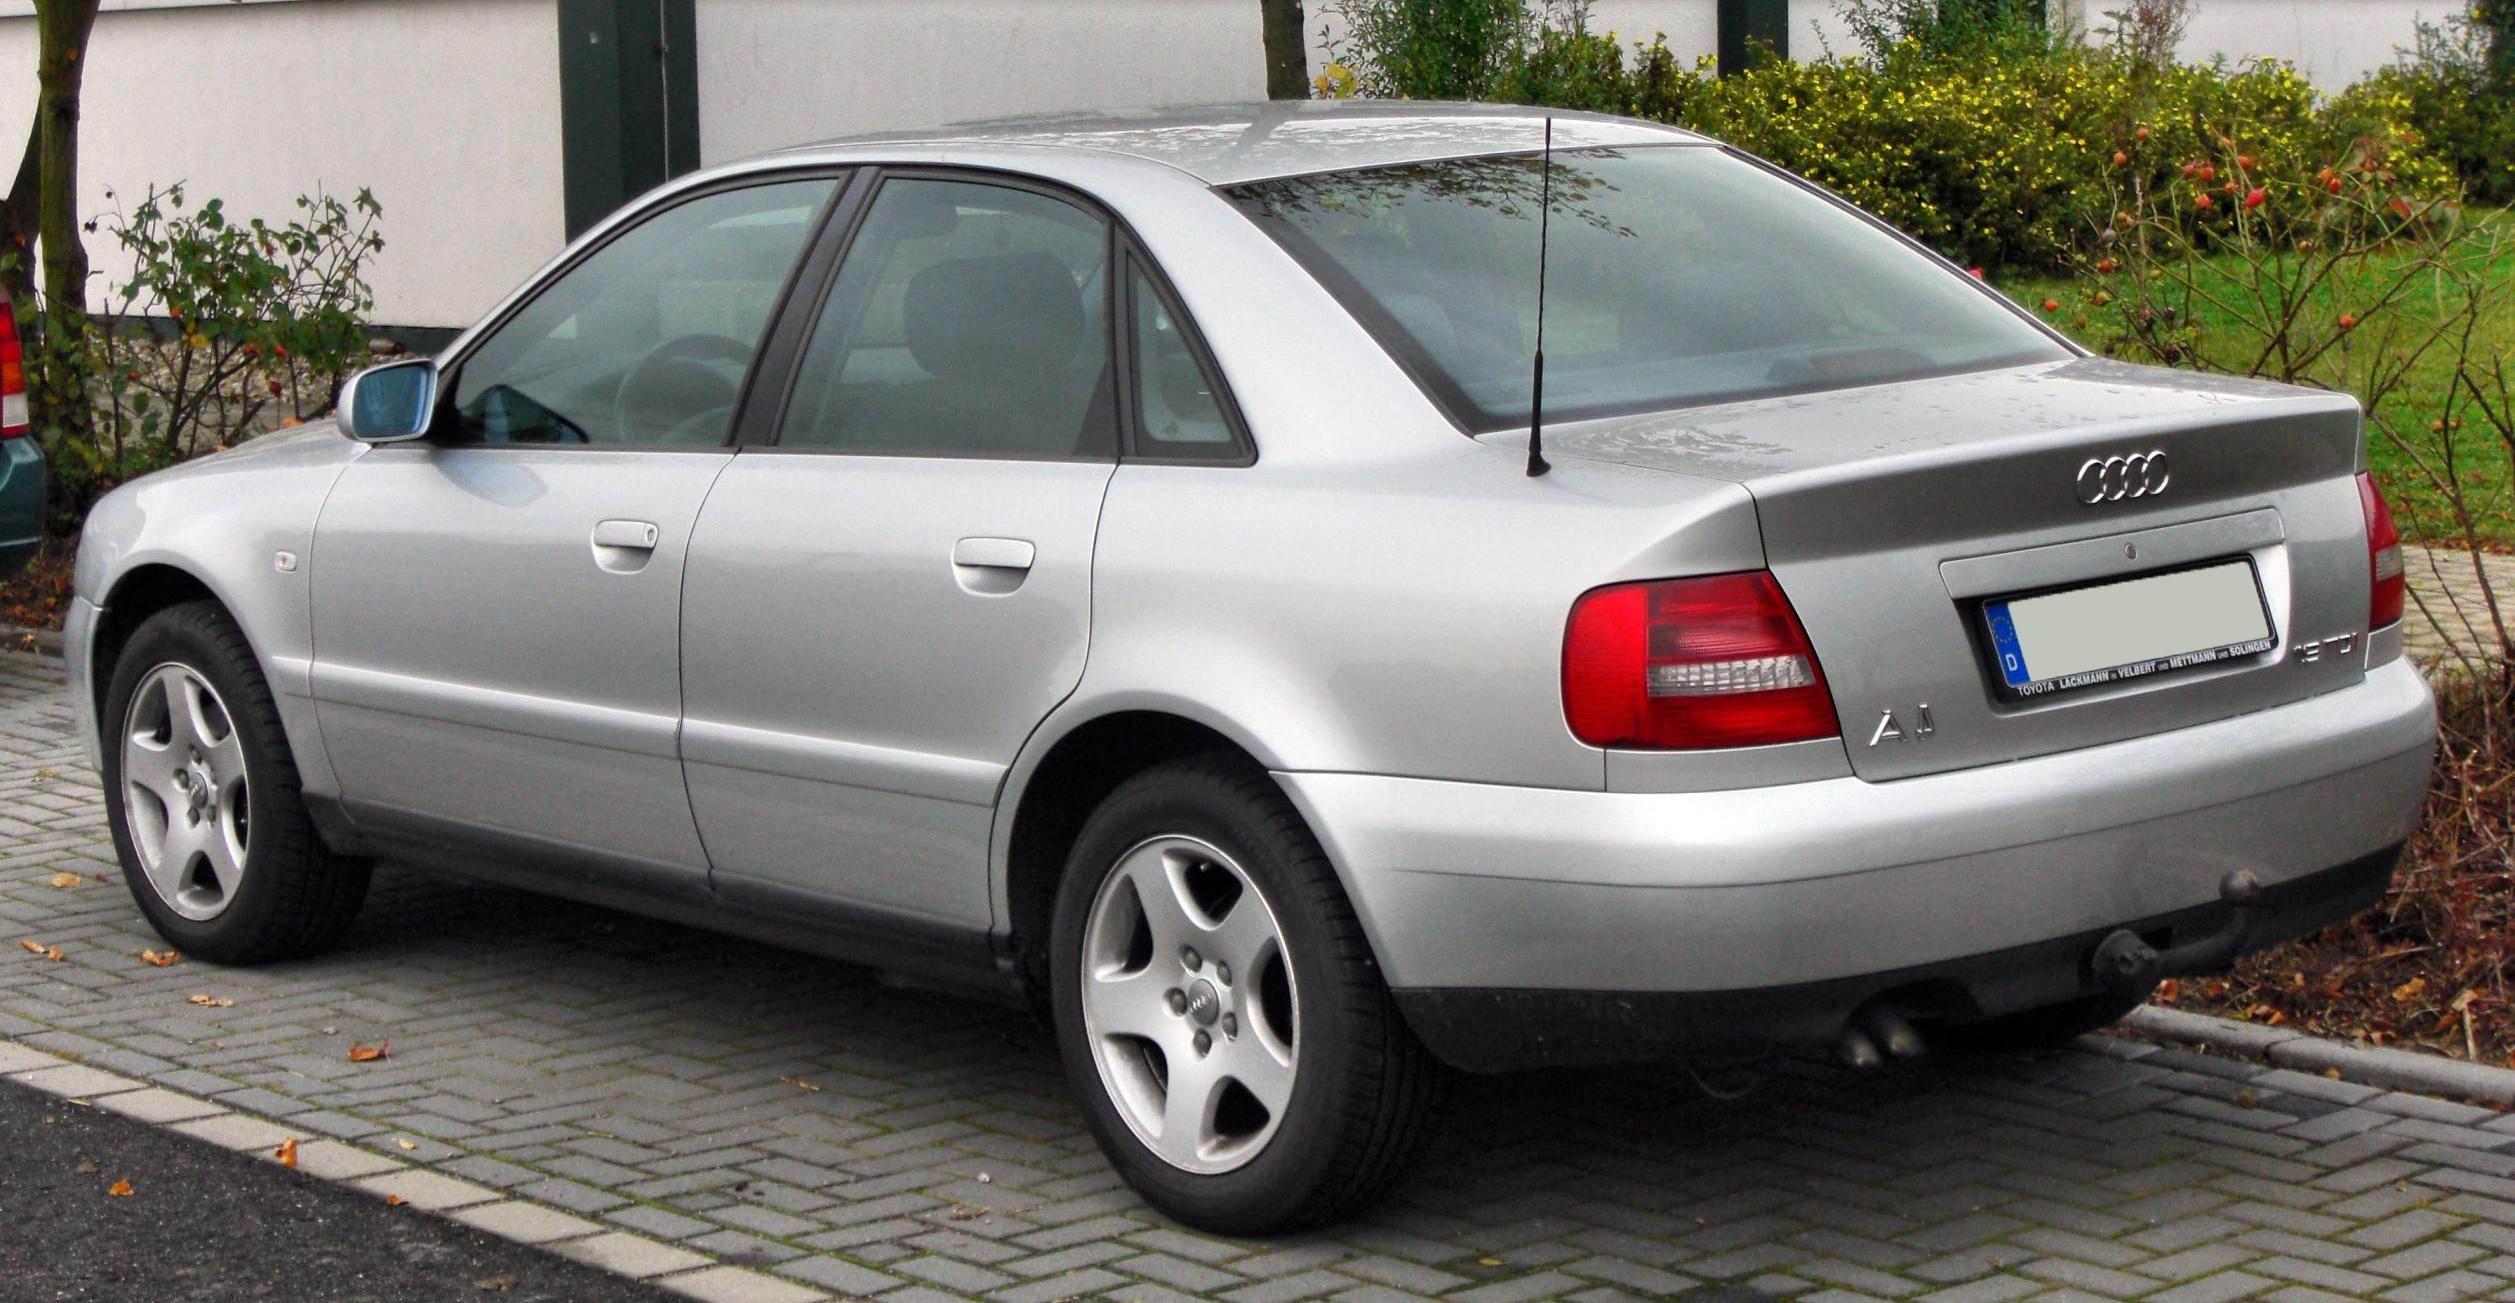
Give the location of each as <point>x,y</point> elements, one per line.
<point>913,948</point>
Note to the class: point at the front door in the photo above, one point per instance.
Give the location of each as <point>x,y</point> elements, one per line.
<point>497,608</point>
<point>885,603</point>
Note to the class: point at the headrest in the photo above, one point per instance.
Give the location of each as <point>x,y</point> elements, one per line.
<point>980,318</point>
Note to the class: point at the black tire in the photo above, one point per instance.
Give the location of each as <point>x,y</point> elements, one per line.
<point>1366,1097</point>
<point>2047,1028</point>
<point>293,896</point>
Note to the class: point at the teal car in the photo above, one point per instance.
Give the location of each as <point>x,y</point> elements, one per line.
<point>21,462</point>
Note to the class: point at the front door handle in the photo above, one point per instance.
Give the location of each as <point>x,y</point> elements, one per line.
<point>994,553</point>
<point>623,547</point>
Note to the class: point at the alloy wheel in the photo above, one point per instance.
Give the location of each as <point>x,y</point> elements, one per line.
<point>1188,1004</point>
<point>185,796</point>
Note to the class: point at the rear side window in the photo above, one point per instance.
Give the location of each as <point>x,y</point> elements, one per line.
<point>1677,276</point>
<point>968,320</point>
<point>1177,402</point>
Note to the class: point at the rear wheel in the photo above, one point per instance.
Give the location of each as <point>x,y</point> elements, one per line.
<point>203,798</point>
<point>1220,1014</point>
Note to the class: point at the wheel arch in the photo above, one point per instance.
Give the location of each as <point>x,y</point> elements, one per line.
<point>136,594</point>
<point>1063,774</point>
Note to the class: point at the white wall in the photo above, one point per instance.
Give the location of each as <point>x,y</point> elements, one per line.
<point>781,72</point>
<point>447,109</point>
<point>2333,42</point>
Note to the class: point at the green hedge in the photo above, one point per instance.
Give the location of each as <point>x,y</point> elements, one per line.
<point>1996,153</point>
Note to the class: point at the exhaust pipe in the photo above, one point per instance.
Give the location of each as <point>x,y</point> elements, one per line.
<point>1889,1029</point>
<point>1876,1034</point>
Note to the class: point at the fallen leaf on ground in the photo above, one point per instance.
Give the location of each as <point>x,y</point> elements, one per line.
<point>287,1152</point>
<point>407,1144</point>
<point>965,1213</point>
<point>119,1190</point>
<point>370,1053</point>
<point>85,1168</point>
<point>2411,989</point>
<point>800,1084</point>
<point>66,880</point>
<point>209,1001</point>
<point>40,950</point>
<point>161,958</point>
<point>394,1201</point>
<point>495,1284</point>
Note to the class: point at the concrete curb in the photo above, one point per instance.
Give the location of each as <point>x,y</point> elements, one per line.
<point>2425,1074</point>
<point>47,641</point>
<point>403,1183</point>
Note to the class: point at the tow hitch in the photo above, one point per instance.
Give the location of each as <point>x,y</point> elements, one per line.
<point>2127,965</point>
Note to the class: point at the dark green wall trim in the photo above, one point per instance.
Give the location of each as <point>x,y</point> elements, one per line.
<point>1747,24</point>
<point>628,100</point>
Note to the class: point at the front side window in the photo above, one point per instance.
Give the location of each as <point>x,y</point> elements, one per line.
<point>968,320</point>
<point>646,341</point>
<point>1677,276</point>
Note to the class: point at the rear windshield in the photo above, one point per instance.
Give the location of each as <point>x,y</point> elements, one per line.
<point>1676,276</point>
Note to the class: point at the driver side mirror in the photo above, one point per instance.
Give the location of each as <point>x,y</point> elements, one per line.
<point>389,403</point>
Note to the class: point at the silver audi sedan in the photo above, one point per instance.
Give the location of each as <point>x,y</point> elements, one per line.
<point>1143,568</point>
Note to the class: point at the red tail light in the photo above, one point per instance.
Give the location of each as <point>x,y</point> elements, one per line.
<point>1692,664</point>
<point>13,418</point>
<point>2388,589</point>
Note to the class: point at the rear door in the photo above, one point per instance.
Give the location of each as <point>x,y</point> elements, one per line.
<point>496,608</point>
<point>884,601</point>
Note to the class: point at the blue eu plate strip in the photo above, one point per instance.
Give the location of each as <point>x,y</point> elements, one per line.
<point>2004,644</point>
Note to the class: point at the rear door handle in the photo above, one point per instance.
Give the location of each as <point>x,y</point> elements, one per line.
<point>994,553</point>
<point>627,535</point>
<point>623,547</point>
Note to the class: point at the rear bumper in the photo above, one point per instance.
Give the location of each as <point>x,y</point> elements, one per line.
<point>1504,1030</point>
<point>21,503</point>
<point>1474,892</point>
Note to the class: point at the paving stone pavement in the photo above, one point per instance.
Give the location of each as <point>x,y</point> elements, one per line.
<point>2449,610</point>
<point>784,1113</point>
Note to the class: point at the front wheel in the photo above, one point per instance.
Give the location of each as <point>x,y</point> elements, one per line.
<point>1219,1011</point>
<point>202,795</point>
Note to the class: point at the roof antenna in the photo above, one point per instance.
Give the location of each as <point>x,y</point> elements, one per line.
<point>1537,463</point>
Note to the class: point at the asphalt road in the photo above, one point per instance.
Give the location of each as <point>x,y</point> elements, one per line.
<point>204,1225</point>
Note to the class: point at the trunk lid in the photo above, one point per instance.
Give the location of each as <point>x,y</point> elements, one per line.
<point>1891,513</point>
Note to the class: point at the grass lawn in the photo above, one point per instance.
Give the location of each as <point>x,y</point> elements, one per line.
<point>2480,456</point>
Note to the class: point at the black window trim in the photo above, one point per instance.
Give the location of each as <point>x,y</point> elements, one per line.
<point>449,369</point>
<point>799,316</point>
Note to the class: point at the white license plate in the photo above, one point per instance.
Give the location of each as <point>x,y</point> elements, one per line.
<point>2081,637</point>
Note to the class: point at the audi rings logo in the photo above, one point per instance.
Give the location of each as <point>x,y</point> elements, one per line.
<point>2112,479</point>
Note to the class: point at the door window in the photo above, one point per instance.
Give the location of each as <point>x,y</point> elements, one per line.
<point>647,340</point>
<point>968,320</point>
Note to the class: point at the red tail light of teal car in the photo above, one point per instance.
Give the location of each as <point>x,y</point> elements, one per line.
<point>13,419</point>
<point>1692,664</point>
<point>2387,587</point>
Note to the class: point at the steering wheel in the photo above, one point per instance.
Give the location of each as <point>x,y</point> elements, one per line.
<point>677,386</point>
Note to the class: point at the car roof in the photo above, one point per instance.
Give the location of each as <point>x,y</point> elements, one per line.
<point>1234,143</point>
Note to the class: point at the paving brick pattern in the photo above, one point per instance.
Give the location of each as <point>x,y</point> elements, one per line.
<point>793,1116</point>
<point>2450,611</point>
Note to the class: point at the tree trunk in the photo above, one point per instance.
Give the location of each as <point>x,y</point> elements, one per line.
<point>1287,50</point>
<point>60,389</point>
